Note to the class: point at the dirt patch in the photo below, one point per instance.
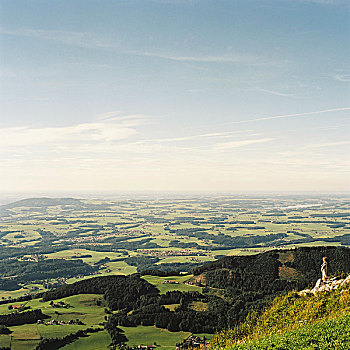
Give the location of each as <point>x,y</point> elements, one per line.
<point>286,257</point>
<point>288,273</point>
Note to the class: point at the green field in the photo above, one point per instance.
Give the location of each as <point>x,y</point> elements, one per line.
<point>95,341</point>
<point>150,335</point>
<point>164,287</point>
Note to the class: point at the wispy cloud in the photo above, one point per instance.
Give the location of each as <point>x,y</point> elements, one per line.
<point>332,110</point>
<point>323,2</point>
<point>68,136</point>
<point>108,115</point>
<point>81,39</point>
<point>174,2</point>
<point>342,77</point>
<point>329,144</point>
<point>242,143</point>
<point>93,41</point>
<point>130,119</point>
<point>276,93</point>
<point>194,137</point>
<point>224,58</point>
<point>232,58</point>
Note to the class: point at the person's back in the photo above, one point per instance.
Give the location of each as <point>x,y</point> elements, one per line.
<point>324,269</point>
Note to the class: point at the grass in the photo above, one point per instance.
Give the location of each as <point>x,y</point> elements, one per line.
<point>57,331</point>
<point>163,288</point>
<point>82,306</point>
<point>171,307</point>
<point>5,340</point>
<point>94,341</point>
<point>150,335</point>
<point>25,332</point>
<point>199,306</point>
<point>27,341</point>
<point>96,256</point>
<point>287,314</point>
<point>27,336</point>
<point>328,335</point>
<point>23,345</point>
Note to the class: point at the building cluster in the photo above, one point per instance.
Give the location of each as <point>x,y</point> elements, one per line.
<point>59,304</point>
<point>189,283</point>
<point>33,258</point>
<point>97,238</point>
<point>84,239</point>
<point>124,346</point>
<point>192,342</point>
<point>56,322</point>
<point>170,282</point>
<point>165,253</point>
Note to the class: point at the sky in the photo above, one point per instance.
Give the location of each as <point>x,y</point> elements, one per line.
<point>174,95</point>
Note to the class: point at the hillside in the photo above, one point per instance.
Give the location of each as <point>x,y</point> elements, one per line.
<point>42,202</point>
<point>250,282</point>
<point>295,321</point>
<point>316,336</point>
<point>218,296</point>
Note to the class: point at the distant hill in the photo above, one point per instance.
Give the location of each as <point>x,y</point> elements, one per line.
<point>43,202</point>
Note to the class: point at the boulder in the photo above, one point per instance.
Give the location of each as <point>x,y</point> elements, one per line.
<point>322,286</point>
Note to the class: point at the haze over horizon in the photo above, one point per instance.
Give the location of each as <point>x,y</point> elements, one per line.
<point>174,95</point>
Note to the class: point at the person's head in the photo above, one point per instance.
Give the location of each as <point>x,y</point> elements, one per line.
<point>325,258</point>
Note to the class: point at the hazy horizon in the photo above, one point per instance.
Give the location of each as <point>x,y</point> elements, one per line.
<point>174,96</point>
<point>10,197</point>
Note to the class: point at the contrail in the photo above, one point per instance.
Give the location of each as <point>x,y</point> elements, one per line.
<point>291,115</point>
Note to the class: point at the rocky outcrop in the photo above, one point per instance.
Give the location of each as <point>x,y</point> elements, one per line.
<point>328,285</point>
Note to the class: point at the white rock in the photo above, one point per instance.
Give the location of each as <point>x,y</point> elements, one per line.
<point>328,285</point>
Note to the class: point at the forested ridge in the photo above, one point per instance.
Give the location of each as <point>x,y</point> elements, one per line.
<point>233,286</point>
<point>121,292</point>
<point>26,271</point>
<point>19,318</point>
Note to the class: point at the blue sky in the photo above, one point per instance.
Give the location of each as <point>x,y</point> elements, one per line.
<point>178,95</point>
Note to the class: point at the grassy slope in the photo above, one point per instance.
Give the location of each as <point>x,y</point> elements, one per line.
<point>94,341</point>
<point>164,287</point>
<point>327,335</point>
<point>294,319</point>
<point>149,335</point>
